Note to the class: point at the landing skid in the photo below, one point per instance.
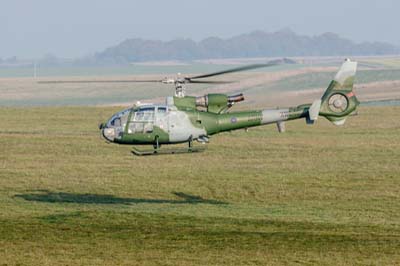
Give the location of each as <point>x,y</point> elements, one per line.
<point>158,151</point>
<point>148,152</point>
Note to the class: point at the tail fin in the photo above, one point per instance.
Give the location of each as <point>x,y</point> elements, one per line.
<point>339,100</point>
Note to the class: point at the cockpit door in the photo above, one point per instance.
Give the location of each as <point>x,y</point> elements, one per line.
<point>142,121</point>
<point>161,118</point>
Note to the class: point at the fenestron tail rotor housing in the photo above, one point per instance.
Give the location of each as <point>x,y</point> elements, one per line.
<point>338,103</point>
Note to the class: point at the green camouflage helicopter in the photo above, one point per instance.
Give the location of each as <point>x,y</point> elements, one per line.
<point>185,119</point>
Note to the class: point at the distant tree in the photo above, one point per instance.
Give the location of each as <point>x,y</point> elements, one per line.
<point>255,44</point>
<point>12,60</point>
<point>49,60</point>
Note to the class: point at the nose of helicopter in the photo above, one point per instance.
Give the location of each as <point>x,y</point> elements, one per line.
<point>102,125</point>
<point>106,132</point>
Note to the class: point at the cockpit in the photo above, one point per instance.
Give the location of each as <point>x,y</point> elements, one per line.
<point>119,118</point>
<point>114,128</point>
<point>132,121</point>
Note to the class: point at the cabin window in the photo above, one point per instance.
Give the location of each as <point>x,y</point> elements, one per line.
<point>142,121</point>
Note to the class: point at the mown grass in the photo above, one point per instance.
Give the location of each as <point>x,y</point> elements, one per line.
<point>314,195</point>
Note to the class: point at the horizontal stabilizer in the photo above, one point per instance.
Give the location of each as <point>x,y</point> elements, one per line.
<point>313,112</point>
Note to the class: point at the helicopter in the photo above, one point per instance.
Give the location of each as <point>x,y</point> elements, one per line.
<point>185,119</point>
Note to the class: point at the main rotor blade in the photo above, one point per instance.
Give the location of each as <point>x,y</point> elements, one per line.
<point>96,81</point>
<point>380,100</point>
<point>209,82</point>
<point>180,80</point>
<point>244,68</point>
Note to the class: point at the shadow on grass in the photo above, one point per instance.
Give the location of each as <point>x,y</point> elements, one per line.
<point>64,197</point>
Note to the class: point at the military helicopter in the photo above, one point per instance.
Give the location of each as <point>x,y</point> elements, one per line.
<point>185,119</point>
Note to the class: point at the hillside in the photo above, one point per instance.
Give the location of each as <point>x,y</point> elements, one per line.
<point>255,44</point>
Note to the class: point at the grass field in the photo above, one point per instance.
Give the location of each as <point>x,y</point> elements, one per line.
<point>26,91</point>
<point>268,87</point>
<point>314,195</point>
<point>135,69</point>
<point>390,62</point>
<point>320,80</point>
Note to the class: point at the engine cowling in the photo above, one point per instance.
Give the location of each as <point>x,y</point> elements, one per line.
<point>216,103</point>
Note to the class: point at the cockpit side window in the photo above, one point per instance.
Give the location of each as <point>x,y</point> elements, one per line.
<point>116,122</point>
<point>146,109</point>
<point>119,119</point>
<point>144,114</point>
<point>142,120</point>
<point>162,110</point>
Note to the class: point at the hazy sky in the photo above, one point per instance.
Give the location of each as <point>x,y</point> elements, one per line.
<point>70,28</point>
